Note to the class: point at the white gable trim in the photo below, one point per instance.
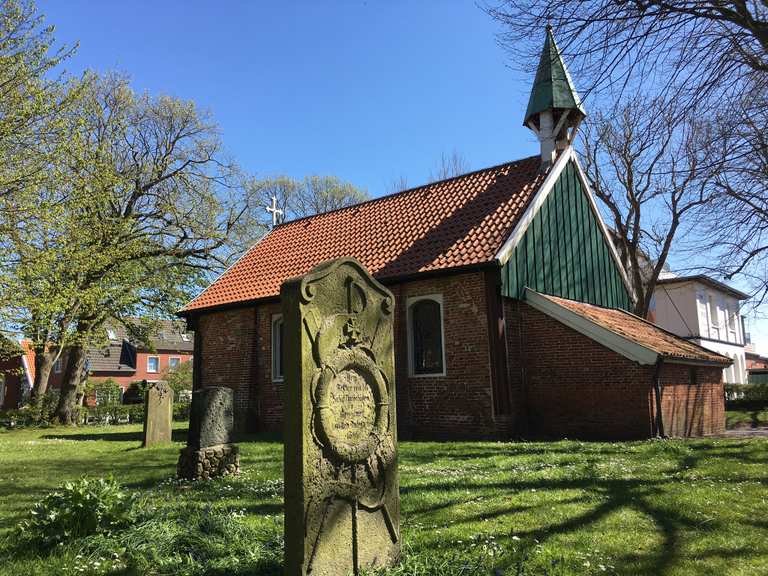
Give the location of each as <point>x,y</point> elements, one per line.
<point>27,370</point>
<point>604,228</point>
<point>538,200</point>
<point>592,330</point>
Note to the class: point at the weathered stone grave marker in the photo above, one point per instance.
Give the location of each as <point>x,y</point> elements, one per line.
<point>158,414</point>
<point>210,451</point>
<point>342,502</point>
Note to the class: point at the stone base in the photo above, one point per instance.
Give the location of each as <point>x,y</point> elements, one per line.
<point>210,462</point>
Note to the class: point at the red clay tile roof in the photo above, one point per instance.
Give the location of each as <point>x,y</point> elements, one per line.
<point>448,224</point>
<point>641,332</point>
<point>29,352</point>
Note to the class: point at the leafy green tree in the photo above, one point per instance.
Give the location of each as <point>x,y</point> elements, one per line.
<point>32,100</point>
<point>30,95</point>
<point>179,378</point>
<point>135,215</point>
<point>155,200</point>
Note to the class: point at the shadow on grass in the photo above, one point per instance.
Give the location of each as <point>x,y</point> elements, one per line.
<point>677,526</point>
<point>177,435</point>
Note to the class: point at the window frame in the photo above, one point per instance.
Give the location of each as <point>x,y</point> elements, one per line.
<point>713,313</point>
<point>156,371</point>
<point>409,302</point>
<point>275,344</point>
<point>170,362</point>
<point>58,366</point>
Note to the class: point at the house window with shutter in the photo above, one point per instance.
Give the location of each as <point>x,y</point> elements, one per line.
<point>426,336</point>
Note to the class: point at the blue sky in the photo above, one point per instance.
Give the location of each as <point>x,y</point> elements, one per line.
<point>367,91</point>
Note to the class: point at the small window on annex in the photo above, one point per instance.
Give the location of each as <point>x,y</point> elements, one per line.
<point>277,348</point>
<point>173,362</point>
<point>153,364</point>
<point>426,349</point>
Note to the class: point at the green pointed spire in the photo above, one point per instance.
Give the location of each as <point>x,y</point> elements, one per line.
<point>553,87</point>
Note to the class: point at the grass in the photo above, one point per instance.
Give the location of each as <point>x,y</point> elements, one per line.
<point>755,418</point>
<point>672,507</point>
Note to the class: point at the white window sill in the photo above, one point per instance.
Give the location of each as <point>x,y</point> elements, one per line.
<point>435,375</point>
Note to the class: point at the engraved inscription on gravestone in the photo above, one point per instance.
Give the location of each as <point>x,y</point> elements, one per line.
<point>341,486</point>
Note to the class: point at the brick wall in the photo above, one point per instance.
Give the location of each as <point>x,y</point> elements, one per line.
<point>458,404</point>
<point>226,350</point>
<point>693,401</point>
<point>561,383</point>
<point>11,372</point>
<point>576,387</point>
<point>267,393</point>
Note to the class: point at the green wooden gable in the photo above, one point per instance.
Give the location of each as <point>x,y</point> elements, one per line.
<point>564,252</point>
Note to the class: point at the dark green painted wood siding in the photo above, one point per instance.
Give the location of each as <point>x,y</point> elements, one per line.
<point>564,253</point>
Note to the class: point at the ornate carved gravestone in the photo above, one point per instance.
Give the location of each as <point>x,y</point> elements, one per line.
<point>342,504</point>
<point>210,451</point>
<point>158,414</point>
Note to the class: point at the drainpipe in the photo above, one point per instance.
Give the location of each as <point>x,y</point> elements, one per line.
<point>657,389</point>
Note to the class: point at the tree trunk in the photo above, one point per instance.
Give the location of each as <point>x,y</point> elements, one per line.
<point>44,359</point>
<point>643,302</point>
<point>73,377</point>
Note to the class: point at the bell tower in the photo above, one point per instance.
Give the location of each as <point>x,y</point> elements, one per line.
<point>554,109</point>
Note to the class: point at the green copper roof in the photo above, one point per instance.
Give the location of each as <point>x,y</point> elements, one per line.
<point>553,87</point>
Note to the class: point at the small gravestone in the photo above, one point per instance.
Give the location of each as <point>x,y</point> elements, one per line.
<point>342,502</point>
<point>210,451</point>
<point>158,414</point>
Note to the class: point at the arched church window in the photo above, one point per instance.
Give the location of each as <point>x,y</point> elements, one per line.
<point>425,336</point>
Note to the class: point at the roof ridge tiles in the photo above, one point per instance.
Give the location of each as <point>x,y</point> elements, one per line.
<point>403,192</point>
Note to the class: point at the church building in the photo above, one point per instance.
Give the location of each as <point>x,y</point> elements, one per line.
<point>511,304</point>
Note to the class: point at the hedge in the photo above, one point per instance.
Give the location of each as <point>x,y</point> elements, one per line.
<point>746,396</point>
<point>109,414</point>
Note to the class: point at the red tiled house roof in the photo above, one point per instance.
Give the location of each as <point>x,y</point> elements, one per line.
<point>29,353</point>
<point>642,332</point>
<point>453,223</point>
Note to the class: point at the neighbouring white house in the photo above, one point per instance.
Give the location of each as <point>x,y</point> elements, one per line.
<point>706,311</point>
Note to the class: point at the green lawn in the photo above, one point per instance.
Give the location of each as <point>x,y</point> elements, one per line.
<point>675,507</point>
<point>735,419</point>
